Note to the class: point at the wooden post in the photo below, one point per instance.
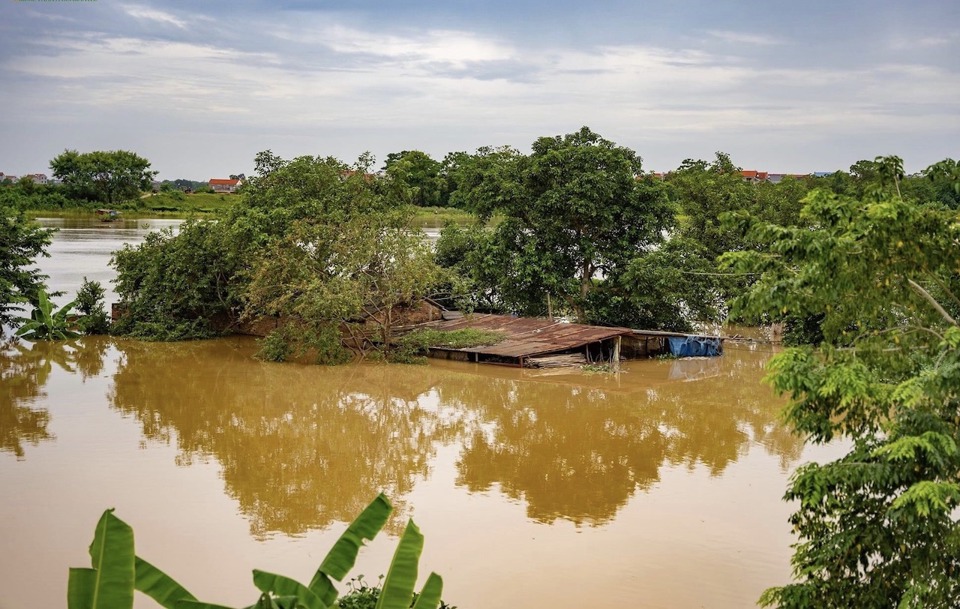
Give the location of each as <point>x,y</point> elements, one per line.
<point>616,355</point>
<point>549,307</point>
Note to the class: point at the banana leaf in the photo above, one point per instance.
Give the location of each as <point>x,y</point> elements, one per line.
<point>285,586</point>
<point>341,558</point>
<point>398,586</point>
<point>110,583</point>
<point>159,586</point>
<point>430,595</point>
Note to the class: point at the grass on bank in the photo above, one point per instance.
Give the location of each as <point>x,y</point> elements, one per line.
<point>413,347</point>
<point>157,205</point>
<point>182,205</point>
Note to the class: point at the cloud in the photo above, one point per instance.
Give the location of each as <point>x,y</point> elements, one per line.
<point>923,42</point>
<point>152,14</point>
<point>443,77</point>
<point>304,75</point>
<point>744,38</point>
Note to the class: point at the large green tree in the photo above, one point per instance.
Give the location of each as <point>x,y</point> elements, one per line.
<point>313,241</point>
<point>21,242</point>
<point>879,527</point>
<point>108,177</point>
<point>414,178</point>
<point>573,215</point>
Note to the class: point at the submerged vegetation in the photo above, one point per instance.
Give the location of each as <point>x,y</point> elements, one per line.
<point>862,268</point>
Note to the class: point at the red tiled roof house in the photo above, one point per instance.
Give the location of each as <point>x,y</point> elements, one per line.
<point>224,186</point>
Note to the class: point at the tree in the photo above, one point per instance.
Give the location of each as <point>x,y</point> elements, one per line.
<point>350,275</point>
<point>944,177</point>
<point>177,286</point>
<point>573,214</point>
<point>415,178</point>
<point>878,527</point>
<point>108,177</point>
<point>312,241</point>
<point>330,251</point>
<point>21,241</point>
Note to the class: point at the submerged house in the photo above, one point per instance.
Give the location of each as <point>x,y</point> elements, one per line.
<point>533,342</point>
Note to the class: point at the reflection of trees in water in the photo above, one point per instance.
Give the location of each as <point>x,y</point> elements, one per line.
<point>300,446</point>
<point>570,452</point>
<point>303,446</point>
<point>579,452</point>
<point>25,368</point>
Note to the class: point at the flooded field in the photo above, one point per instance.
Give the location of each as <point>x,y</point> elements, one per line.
<point>657,487</point>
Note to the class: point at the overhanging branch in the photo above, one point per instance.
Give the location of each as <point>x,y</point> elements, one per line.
<point>933,301</point>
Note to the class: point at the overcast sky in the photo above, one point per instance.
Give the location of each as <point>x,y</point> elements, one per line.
<point>199,88</point>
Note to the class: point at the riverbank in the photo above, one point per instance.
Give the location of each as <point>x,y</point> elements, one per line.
<point>200,205</point>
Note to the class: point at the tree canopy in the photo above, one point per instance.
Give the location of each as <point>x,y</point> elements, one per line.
<point>572,216</point>
<point>881,277</point>
<point>414,178</point>
<point>21,242</point>
<point>313,242</point>
<point>108,177</point>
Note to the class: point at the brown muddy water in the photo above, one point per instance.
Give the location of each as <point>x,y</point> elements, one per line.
<point>658,487</point>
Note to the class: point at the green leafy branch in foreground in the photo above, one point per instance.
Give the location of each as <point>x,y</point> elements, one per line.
<point>116,572</point>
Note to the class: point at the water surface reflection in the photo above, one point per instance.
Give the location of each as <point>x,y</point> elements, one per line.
<point>573,447</point>
<point>25,368</point>
<point>659,487</point>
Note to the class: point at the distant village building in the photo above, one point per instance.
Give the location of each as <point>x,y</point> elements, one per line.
<point>750,175</point>
<point>225,185</point>
<point>37,178</point>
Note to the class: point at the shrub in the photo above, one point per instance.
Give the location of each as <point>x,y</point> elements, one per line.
<point>90,305</point>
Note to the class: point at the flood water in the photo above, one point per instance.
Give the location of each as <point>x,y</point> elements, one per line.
<point>658,487</point>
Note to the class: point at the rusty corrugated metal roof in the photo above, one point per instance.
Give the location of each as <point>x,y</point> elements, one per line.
<point>529,336</point>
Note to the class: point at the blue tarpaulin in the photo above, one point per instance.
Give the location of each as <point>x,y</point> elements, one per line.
<point>693,346</point>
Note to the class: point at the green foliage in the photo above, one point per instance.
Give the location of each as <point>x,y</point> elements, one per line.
<point>276,346</point>
<point>712,197</point>
<point>397,592</point>
<point>90,305</point>
<point>28,195</point>
<point>362,596</point>
<point>413,178</point>
<point>46,324</point>
<point>451,339</point>
<point>110,583</point>
<point>109,177</point>
<point>438,216</point>
<point>412,347</point>
<point>311,241</point>
<point>879,526</point>
<point>21,241</point>
<point>116,572</point>
<point>572,211</point>
<point>318,341</point>
<point>183,204</point>
<point>944,179</point>
<point>351,265</point>
<point>664,288</point>
<point>176,286</point>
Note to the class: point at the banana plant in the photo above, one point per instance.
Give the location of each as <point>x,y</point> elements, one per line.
<point>116,572</point>
<point>45,324</point>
